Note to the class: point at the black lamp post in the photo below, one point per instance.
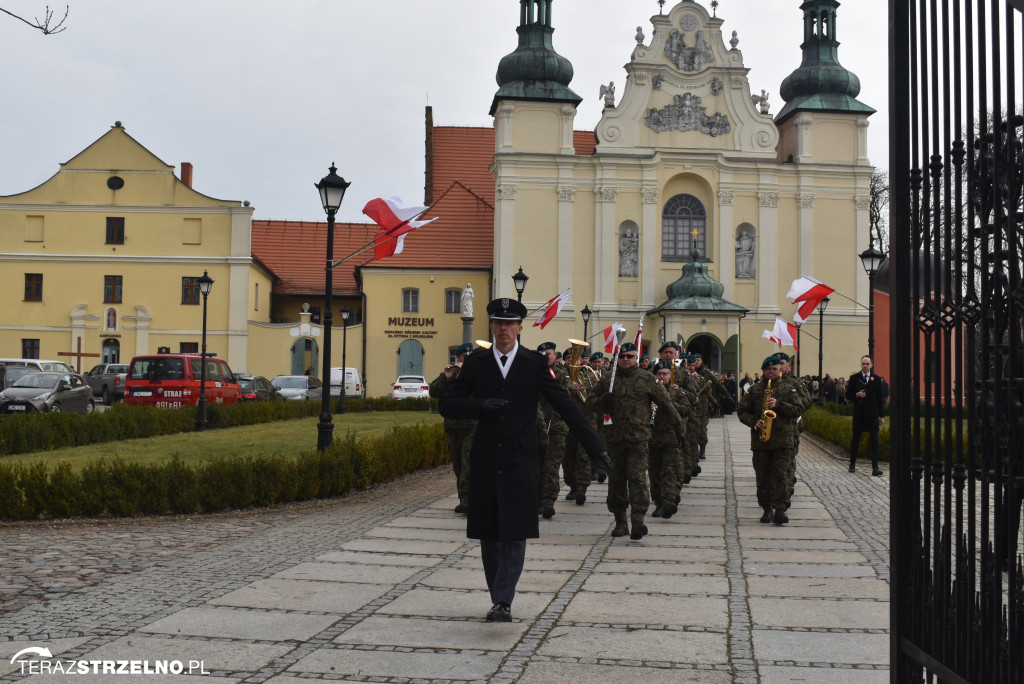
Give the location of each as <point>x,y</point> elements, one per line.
<point>345,313</point>
<point>520,279</point>
<point>872,260</point>
<point>205,285</point>
<point>586,313</point>
<point>332,189</point>
<point>821,338</point>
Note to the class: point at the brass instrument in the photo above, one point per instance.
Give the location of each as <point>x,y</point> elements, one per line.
<point>767,415</point>
<point>583,377</point>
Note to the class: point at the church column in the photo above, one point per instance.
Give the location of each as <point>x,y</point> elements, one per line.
<point>568,119</point>
<point>805,232</point>
<point>726,243</point>
<point>768,249</point>
<point>504,245</point>
<point>803,139</point>
<point>566,205</point>
<point>648,245</point>
<point>862,142</point>
<point>605,247</point>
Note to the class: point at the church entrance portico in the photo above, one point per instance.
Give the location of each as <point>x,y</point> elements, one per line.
<point>709,347</point>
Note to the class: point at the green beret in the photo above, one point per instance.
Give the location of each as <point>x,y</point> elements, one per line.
<point>668,345</point>
<point>464,348</point>
<point>558,354</point>
<point>544,346</point>
<point>567,353</point>
<point>782,356</point>
<point>772,360</point>
<point>662,366</point>
<point>627,347</point>
<point>697,355</point>
<point>595,355</point>
<point>643,357</point>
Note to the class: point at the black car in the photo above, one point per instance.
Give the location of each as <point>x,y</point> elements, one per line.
<point>257,388</point>
<point>47,392</point>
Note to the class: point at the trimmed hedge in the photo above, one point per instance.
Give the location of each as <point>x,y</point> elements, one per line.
<point>837,428</point>
<point>111,486</point>
<point>46,431</point>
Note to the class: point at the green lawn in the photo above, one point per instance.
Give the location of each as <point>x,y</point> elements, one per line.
<point>286,437</point>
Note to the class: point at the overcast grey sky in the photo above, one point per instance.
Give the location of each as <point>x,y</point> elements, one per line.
<point>262,95</point>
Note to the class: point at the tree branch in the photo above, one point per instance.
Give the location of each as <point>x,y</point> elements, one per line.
<point>44,25</point>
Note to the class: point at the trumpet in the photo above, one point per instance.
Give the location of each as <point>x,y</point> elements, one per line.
<point>583,377</point>
<point>767,415</point>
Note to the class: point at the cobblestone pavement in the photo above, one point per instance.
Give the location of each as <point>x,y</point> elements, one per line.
<point>383,586</point>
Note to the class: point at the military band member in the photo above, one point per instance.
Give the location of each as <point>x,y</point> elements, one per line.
<point>771,457</point>
<point>665,448</point>
<point>629,405</point>
<point>459,431</point>
<point>791,382</point>
<point>555,431</point>
<point>645,363</point>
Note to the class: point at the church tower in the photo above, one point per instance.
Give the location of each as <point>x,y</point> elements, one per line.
<point>822,91</point>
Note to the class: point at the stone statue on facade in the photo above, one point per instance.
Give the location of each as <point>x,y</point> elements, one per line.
<point>761,101</point>
<point>629,253</point>
<point>467,301</point>
<point>608,93</point>
<point>688,58</point>
<point>745,256</point>
<point>640,35</point>
<point>687,113</point>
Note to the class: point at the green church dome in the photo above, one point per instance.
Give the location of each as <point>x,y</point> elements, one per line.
<point>695,281</point>
<point>535,71</point>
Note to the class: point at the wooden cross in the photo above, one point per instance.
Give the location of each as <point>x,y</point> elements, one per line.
<point>77,356</point>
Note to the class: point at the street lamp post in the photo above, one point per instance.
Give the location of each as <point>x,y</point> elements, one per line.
<point>586,312</point>
<point>519,279</point>
<point>821,338</point>
<point>872,260</point>
<point>345,313</point>
<point>332,189</point>
<point>205,285</point>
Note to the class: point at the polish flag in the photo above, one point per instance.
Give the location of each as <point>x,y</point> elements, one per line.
<point>639,340</point>
<point>552,308</point>
<point>808,293</point>
<point>611,339</point>
<point>785,333</point>
<point>395,220</point>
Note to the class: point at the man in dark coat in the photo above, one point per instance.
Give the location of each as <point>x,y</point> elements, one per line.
<point>500,388</point>
<point>866,392</point>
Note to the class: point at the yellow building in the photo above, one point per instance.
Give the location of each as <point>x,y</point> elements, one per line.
<point>107,253</point>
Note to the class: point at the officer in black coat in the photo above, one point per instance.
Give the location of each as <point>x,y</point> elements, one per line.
<point>500,388</point>
<point>866,392</point>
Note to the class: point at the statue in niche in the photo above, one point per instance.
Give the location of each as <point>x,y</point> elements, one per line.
<point>467,301</point>
<point>111,319</point>
<point>608,93</point>
<point>745,256</point>
<point>629,250</point>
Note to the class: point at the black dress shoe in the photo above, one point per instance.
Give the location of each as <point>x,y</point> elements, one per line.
<point>767,517</point>
<point>853,467</point>
<point>638,531</point>
<point>549,512</point>
<point>621,529</point>
<point>657,512</point>
<point>876,472</point>
<point>780,517</point>
<point>500,612</point>
<point>581,498</point>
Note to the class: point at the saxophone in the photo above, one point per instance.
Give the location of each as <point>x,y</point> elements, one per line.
<point>767,415</point>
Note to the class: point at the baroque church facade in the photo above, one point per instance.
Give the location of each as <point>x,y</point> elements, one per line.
<point>696,209</point>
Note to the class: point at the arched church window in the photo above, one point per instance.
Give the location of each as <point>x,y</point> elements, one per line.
<point>684,223</point>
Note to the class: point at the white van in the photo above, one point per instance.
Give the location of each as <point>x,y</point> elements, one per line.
<point>39,364</point>
<point>353,382</point>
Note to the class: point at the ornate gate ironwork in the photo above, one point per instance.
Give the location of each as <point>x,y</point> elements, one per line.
<point>956,250</point>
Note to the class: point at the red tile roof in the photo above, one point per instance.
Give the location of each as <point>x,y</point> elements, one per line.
<point>461,238</point>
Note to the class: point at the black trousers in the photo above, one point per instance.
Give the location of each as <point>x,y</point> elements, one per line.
<point>855,445</point>
<point>503,564</point>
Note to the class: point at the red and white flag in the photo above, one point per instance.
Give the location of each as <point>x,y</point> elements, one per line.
<point>639,340</point>
<point>395,220</point>
<point>808,293</point>
<point>552,308</point>
<point>611,339</point>
<point>784,334</point>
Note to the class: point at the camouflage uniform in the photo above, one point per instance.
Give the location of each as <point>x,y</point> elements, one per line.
<point>689,383</point>
<point>666,454</point>
<point>704,376</point>
<point>790,383</point>
<point>772,458</point>
<point>576,465</point>
<point>628,434</point>
<point>460,433</point>
<point>555,431</point>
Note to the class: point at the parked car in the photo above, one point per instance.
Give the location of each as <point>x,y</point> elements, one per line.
<point>173,380</point>
<point>298,387</point>
<point>410,387</point>
<point>10,374</point>
<point>353,382</point>
<point>107,380</point>
<point>47,392</point>
<point>39,364</point>
<point>257,388</point>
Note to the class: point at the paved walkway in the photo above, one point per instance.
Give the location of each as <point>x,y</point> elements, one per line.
<point>383,586</point>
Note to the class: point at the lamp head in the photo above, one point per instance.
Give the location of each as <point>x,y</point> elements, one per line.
<point>332,189</point>
<point>586,312</point>
<point>205,283</point>
<point>519,279</point>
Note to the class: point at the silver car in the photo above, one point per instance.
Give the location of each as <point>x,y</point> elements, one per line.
<point>47,392</point>
<point>298,387</point>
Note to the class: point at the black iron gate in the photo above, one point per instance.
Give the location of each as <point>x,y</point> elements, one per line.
<point>956,250</point>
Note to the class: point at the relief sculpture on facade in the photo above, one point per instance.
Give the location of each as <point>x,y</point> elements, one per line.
<point>688,58</point>
<point>687,113</point>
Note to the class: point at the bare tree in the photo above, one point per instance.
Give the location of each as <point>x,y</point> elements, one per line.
<point>45,24</point>
<point>877,214</point>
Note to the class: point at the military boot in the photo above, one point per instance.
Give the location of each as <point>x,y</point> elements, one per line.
<point>668,510</point>
<point>548,512</point>
<point>571,496</point>
<point>767,517</point>
<point>638,531</point>
<point>780,517</point>
<point>581,498</point>
<point>621,529</point>
<point>658,512</point>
